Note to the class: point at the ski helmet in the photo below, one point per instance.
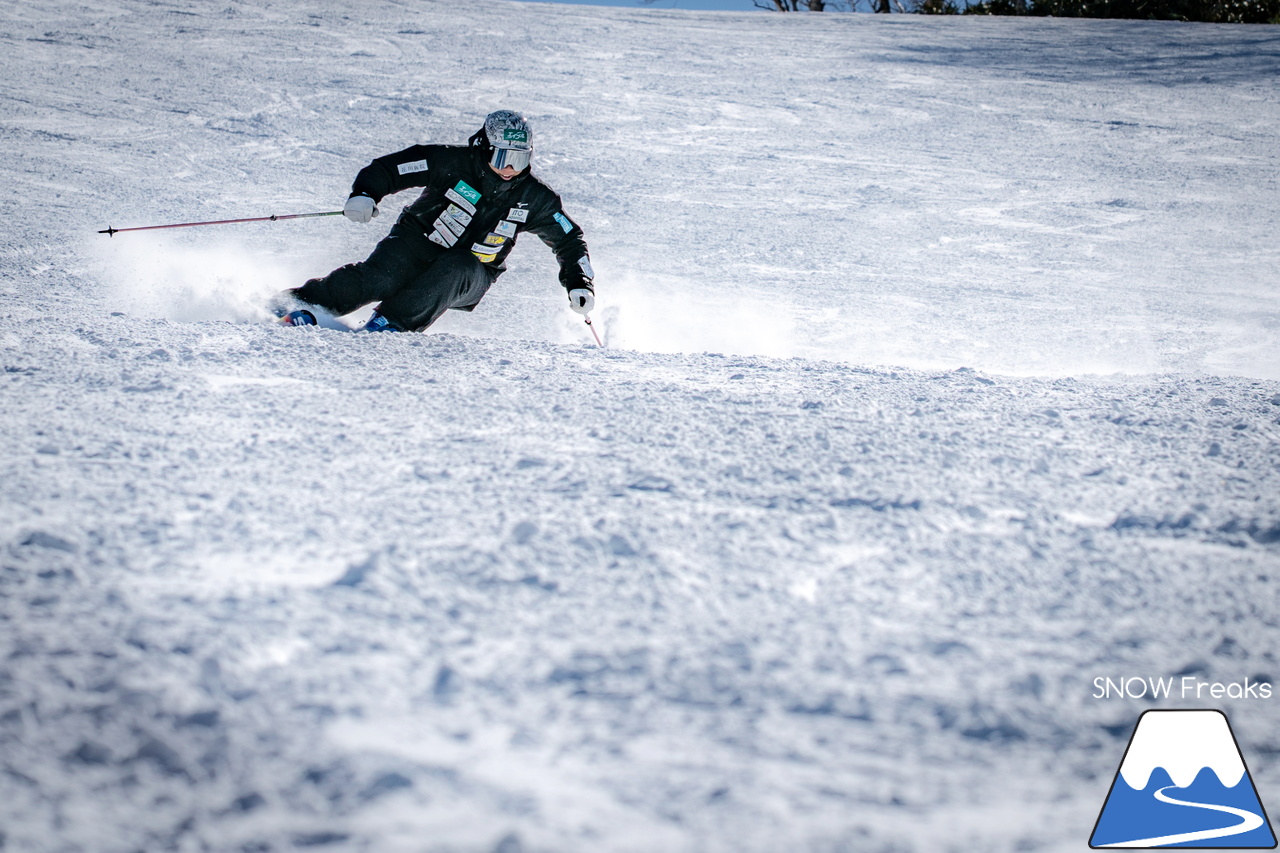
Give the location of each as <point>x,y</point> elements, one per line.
<point>508,138</point>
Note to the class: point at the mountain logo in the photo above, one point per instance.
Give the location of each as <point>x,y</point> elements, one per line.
<point>1183,783</point>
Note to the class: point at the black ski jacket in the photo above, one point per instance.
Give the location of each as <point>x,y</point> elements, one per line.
<point>465,204</point>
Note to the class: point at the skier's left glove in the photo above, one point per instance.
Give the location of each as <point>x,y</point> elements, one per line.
<point>582,300</point>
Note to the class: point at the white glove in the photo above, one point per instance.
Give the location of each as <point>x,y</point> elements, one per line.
<point>582,300</point>
<point>360,208</point>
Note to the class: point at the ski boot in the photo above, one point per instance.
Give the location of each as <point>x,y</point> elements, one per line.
<point>301,317</point>
<point>378,323</point>
<point>292,311</point>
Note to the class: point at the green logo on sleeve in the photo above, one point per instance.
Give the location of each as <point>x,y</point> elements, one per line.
<point>466,191</point>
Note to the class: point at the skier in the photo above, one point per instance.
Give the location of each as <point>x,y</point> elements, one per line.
<point>449,245</point>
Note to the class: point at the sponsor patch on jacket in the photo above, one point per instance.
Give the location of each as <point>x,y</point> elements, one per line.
<point>506,229</point>
<point>415,166</point>
<point>485,254</point>
<point>443,235</point>
<point>564,222</point>
<point>444,221</point>
<point>467,191</point>
<point>494,240</point>
<point>584,264</point>
<point>455,197</point>
<point>518,215</point>
<point>458,214</point>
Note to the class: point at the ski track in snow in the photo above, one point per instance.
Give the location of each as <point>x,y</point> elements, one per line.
<point>823,553</point>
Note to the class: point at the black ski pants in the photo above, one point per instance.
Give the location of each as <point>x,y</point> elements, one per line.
<point>412,279</point>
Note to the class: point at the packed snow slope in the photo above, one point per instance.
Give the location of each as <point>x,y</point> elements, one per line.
<point>941,381</point>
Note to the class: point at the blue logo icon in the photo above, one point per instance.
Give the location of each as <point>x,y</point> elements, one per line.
<point>1183,783</point>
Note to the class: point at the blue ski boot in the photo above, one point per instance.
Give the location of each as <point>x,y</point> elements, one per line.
<point>301,317</point>
<point>292,311</point>
<point>378,323</point>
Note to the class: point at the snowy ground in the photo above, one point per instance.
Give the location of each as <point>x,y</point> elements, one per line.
<point>942,380</point>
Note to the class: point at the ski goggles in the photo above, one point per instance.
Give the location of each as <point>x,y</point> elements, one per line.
<point>516,158</point>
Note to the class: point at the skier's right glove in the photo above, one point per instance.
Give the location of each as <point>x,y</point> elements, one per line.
<point>581,300</point>
<point>360,208</point>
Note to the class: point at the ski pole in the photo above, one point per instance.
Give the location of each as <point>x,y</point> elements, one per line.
<point>594,333</point>
<point>111,232</point>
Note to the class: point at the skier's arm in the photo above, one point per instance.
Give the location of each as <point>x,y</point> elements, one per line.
<point>394,172</point>
<point>566,240</point>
